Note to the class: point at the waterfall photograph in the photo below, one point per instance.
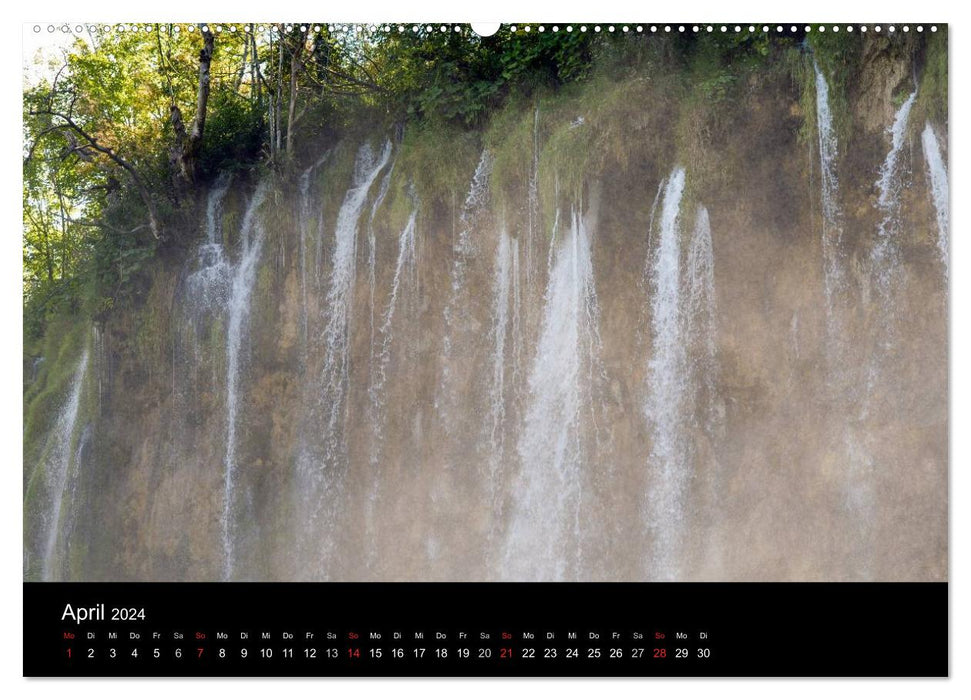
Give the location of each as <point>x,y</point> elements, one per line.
<point>405,303</point>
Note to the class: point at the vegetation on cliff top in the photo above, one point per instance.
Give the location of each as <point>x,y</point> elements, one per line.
<point>128,127</point>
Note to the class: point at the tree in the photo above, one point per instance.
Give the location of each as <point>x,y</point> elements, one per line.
<point>188,144</point>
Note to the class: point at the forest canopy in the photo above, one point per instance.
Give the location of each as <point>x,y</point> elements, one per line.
<point>133,118</point>
<point>127,126</point>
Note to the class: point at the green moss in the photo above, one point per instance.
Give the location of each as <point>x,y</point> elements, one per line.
<point>839,56</point>
<point>600,123</point>
<point>265,280</point>
<point>932,99</point>
<point>153,325</point>
<point>509,138</point>
<point>62,347</point>
<point>334,180</point>
<point>41,417</point>
<point>397,205</point>
<point>438,160</point>
<point>798,65</point>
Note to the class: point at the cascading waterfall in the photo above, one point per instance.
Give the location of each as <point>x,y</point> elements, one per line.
<point>842,375</point>
<point>308,225</point>
<point>667,388</point>
<point>321,454</point>
<point>706,411</point>
<point>404,268</point>
<point>463,252</point>
<point>543,539</point>
<point>207,285</point>
<point>833,273</point>
<point>701,311</point>
<point>532,206</point>
<point>858,493</point>
<point>372,257</point>
<point>506,338</point>
<point>60,452</point>
<point>214,208</point>
<point>362,369</point>
<point>885,255</point>
<point>937,174</point>
<point>403,272</point>
<point>69,520</point>
<point>204,300</point>
<point>339,297</point>
<point>243,279</point>
<point>463,248</point>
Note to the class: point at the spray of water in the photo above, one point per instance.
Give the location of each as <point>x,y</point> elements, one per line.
<point>339,295</point>
<point>532,205</point>
<point>308,224</point>
<point>885,256</point>
<point>543,539</point>
<point>404,269</point>
<point>372,258</point>
<point>207,286</point>
<point>57,468</point>
<point>667,388</point>
<point>700,316</point>
<point>404,272</point>
<point>463,254</point>
<point>506,337</point>
<point>321,457</point>
<point>214,207</point>
<point>937,174</point>
<point>834,282</point>
<point>243,279</point>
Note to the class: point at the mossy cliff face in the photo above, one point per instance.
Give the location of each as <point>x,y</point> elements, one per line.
<point>515,353</point>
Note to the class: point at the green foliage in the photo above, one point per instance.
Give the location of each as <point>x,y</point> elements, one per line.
<point>441,159</point>
<point>459,76</point>
<point>600,99</point>
<point>931,103</point>
<point>839,56</point>
<point>44,393</point>
<point>235,133</point>
<point>512,139</point>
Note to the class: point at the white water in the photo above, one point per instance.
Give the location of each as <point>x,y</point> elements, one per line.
<point>543,538</point>
<point>701,311</point>
<point>886,252</point>
<point>463,248</point>
<point>404,268</point>
<point>57,466</point>
<point>937,174</point>
<point>833,274</point>
<point>214,208</point>
<point>372,256</point>
<point>243,279</point>
<point>463,253</point>
<point>207,287</point>
<point>532,207</point>
<point>506,337</point>
<point>367,167</point>
<point>307,224</point>
<point>404,273</point>
<point>667,388</point>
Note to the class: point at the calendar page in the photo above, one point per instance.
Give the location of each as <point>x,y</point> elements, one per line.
<point>520,349</point>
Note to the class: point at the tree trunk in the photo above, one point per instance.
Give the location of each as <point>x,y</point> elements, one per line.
<point>279,91</point>
<point>192,142</point>
<point>202,93</point>
<point>185,152</point>
<point>296,63</point>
